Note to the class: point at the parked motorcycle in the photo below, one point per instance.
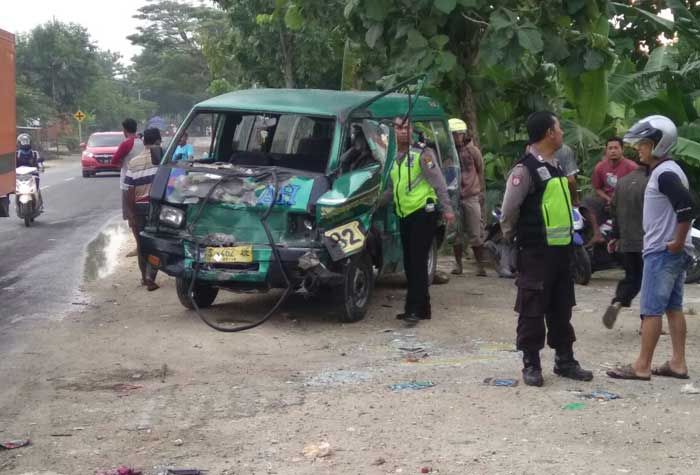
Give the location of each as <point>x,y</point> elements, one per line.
<point>596,258</point>
<point>28,200</point>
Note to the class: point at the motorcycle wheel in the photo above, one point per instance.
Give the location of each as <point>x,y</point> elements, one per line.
<point>693,273</point>
<point>26,213</point>
<point>581,266</point>
<point>432,262</point>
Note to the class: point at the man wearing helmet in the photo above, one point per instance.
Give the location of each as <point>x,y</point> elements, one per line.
<point>470,225</point>
<point>26,156</point>
<point>666,219</point>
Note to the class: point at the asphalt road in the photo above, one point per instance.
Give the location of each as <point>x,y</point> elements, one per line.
<point>41,267</point>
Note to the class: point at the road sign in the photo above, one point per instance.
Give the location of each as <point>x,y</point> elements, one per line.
<point>79,116</point>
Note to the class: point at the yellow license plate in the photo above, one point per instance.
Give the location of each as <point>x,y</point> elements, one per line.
<point>229,255</point>
<point>348,236</point>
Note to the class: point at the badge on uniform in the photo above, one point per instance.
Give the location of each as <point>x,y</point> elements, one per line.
<point>544,173</point>
<point>429,161</point>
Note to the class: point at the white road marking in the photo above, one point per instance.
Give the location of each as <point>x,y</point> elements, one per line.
<point>45,187</point>
<point>69,179</point>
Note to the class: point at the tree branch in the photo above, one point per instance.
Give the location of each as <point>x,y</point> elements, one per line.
<point>474,20</point>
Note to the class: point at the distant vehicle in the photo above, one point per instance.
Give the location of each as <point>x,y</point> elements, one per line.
<point>98,153</point>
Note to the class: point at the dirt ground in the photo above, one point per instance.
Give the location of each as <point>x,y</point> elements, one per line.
<point>131,377</point>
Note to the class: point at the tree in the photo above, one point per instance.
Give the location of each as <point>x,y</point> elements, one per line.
<point>291,43</point>
<point>178,41</point>
<point>58,60</point>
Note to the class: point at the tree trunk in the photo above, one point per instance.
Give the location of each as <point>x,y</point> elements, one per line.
<point>468,110</point>
<point>288,66</point>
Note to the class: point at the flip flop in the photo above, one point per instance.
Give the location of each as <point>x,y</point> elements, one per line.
<point>626,372</point>
<point>665,370</point>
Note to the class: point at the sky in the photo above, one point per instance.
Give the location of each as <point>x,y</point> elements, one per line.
<point>109,22</point>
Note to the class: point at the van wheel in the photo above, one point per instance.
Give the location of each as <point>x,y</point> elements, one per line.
<point>204,294</point>
<point>357,287</point>
<point>86,174</point>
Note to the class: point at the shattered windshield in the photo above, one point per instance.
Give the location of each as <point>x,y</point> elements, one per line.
<point>247,139</point>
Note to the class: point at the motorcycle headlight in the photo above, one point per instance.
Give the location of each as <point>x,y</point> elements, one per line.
<point>173,217</point>
<point>25,185</point>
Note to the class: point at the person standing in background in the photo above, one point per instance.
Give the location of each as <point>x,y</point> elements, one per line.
<point>470,222</point>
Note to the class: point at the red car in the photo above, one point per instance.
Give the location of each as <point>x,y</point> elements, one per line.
<point>98,152</point>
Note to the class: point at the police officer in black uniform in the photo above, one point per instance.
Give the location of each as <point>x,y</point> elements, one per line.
<point>537,212</point>
<point>417,186</point>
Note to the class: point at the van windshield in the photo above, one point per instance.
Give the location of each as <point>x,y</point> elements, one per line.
<point>293,141</point>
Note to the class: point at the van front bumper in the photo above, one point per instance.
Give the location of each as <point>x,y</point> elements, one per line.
<point>176,257</point>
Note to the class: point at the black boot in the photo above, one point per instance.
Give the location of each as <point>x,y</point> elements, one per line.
<point>566,366</point>
<point>532,369</point>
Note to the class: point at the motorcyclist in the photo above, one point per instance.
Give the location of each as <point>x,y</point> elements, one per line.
<point>26,156</point>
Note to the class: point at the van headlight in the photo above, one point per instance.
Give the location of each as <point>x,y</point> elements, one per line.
<point>173,217</point>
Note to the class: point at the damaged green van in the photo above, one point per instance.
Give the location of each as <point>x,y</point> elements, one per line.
<point>285,190</point>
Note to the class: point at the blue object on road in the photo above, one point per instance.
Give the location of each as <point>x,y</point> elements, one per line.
<point>412,385</point>
<point>506,383</point>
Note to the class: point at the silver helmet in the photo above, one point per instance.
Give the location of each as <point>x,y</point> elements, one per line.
<point>657,128</point>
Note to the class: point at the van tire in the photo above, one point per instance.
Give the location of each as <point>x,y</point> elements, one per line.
<point>357,287</point>
<point>203,294</point>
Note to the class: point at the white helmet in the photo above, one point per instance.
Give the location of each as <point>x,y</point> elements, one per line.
<point>657,128</point>
<point>24,140</point>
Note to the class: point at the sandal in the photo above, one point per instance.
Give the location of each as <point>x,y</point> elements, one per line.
<point>626,372</point>
<point>665,370</point>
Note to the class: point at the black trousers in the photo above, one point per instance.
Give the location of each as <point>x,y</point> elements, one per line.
<point>417,234</point>
<point>545,296</point>
<point>629,286</point>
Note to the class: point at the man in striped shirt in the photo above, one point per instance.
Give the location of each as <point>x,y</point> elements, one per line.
<point>139,175</point>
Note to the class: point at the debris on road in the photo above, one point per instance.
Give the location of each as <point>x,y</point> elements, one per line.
<point>412,385</point>
<point>316,451</point>
<point>14,444</point>
<point>123,387</point>
<point>379,461</point>
<point>690,389</point>
<point>184,471</point>
<point>121,470</point>
<point>507,383</point>
<point>574,406</point>
<point>600,395</point>
<point>178,442</point>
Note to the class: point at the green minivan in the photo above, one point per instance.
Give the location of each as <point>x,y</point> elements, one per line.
<point>286,190</point>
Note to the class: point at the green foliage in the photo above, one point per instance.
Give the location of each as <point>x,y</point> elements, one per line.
<point>286,43</point>
<point>58,60</point>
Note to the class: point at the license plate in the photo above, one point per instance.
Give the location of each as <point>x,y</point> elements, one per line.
<point>229,255</point>
<point>349,237</point>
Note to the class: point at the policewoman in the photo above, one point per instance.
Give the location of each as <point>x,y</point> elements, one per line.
<point>419,193</point>
<point>537,214</point>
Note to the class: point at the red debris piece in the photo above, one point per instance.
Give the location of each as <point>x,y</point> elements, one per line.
<point>121,470</point>
<point>13,444</point>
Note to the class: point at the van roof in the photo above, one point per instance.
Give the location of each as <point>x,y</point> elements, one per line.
<point>319,102</point>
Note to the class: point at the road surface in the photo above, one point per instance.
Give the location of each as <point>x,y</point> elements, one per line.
<point>41,267</point>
